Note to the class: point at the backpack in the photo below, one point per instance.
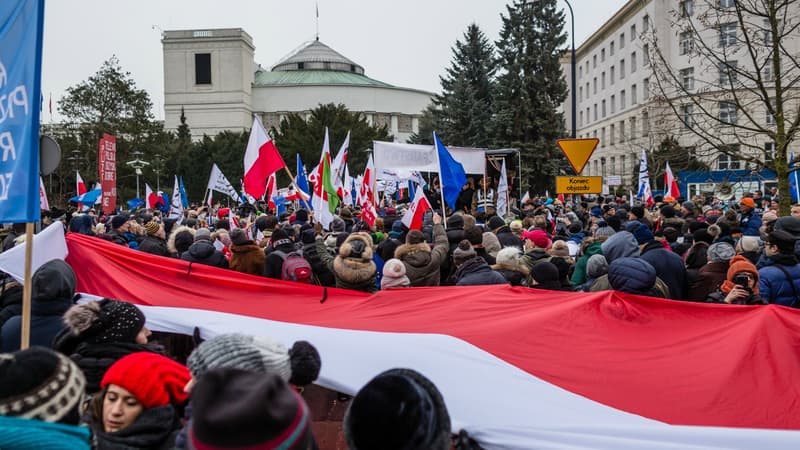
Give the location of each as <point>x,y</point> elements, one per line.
<point>295,267</point>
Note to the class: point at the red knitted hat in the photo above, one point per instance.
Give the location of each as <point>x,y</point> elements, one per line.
<point>153,379</point>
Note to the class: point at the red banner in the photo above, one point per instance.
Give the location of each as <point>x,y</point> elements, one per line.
<point>107,165</point>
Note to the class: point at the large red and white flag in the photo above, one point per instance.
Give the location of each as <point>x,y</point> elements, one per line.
<point>319,202</point>
<point>339,167</point>
<point>670,183</point>
<point>261,159</point>
<point>272,191</point>
<point>661,375</point>
<point>80,188</point>
<point>152,199</point>
<point>413,217</point>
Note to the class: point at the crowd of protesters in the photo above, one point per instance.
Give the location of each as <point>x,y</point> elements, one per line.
<point>95,379</point>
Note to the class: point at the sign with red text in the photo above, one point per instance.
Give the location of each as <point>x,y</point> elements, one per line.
<point>107,164</point>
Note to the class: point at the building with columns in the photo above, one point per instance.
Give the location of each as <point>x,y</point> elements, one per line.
<point>212,75</point>
<point>621,102</point>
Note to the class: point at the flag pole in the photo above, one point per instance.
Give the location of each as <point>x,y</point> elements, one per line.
<point>27,289</point>
<point>294,183</point>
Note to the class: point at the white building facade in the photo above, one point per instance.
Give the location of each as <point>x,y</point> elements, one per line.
<point>211,75</point>
<point>621,102</point>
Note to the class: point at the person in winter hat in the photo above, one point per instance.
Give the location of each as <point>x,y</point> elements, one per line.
<point>353,267</point>
<point>711,276</point>
<point>471,269</point>
<point>394,275</point>
<point>634,276</point>
<point>536,243</point>
<point>750,248</point>
<point>246,255</point>
<point>41,392</point>
<point>475,236</point>
<point>180,239</point>
<point>136,407</point>
<point>669,266</point>
<point>398,409</point>
<point>510,266</point>
<point>325,277</point>
<point>280,246</point>
<point>53,289</point>
<point>740,285</point>
<point>779,277</point>
<point>422,263</point>
<point>235,408</point>
<point>154,241</point>
<point>202,251</point>
<point>596,267</point>
<point>545,276</point>
<point>98,333</point>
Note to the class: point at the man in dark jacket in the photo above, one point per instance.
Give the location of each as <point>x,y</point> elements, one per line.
<point>324,276</point>
<point>749,221</point>
<point>273,264</point>
<point>421,262</point>
<point>504,234</point>
<point>204,252</point>
<point>471,269</point>
<point>474,235</point>
<point>155,241</point>
<point>53,288</point>
<point>669,266</point>
<point>633,276</point>
<point>779,278</point>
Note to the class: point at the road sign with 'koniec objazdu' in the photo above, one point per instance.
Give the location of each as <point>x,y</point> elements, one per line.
<point>578,151</point>
<point>579,185</point>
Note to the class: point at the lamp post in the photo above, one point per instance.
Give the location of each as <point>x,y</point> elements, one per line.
<point>137,163</point>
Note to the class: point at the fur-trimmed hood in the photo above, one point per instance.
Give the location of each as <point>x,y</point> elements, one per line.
<point>173,233</point>
<point>354,271</point>
<point>417,255</point>
<point>349,249</point>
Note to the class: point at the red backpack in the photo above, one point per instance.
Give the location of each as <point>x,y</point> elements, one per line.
<point>295,267</point>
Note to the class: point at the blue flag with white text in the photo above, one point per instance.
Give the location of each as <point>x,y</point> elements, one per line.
<point>302,179</point>
<point>452,176</point>
<point>20,83</point>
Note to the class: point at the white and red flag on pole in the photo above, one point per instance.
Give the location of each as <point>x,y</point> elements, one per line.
<point>670,183</point>
<point>322,212</point>
<point>43,203</point>
<point>413,217</point>
<point>272,191</point>
<point>151,198</point>
<point>80,188</point>
<point>339,167</point>
<point>261,159</point>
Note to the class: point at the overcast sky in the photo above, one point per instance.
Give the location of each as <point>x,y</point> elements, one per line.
<point>405,43</point>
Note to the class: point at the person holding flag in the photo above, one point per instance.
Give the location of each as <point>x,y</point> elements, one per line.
<point>422,262</point>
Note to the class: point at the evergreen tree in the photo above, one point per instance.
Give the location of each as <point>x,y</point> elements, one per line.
<point>530,88</point>
<point>467,88</point>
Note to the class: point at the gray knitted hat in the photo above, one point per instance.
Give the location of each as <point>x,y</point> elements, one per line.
<point>239,351</point>
<point>604,231</point>
<point>596,266</point>
<point>721,252</point>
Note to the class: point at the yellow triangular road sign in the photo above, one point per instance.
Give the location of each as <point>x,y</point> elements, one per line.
<point>578,151</point>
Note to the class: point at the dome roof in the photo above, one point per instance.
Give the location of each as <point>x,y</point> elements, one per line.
<point>317,56</point>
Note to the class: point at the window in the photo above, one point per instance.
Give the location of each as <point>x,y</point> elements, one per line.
<point>633,62</point>
<point>727,112</point>
<point>587,89</point>
<point>622,40</point>
<point>594,91</point>
<point>622,139</point>
<point>603,108</point>
<point>587,115</point>
<point>580,93</point>
<point>646,55</point>
<point>768,117</point>
<point>613,105</point>
<point>727,34</point>
<point>621,69</point>
<point>645,123</point>
<point>686,42</point>
<point>769,152</point>
<point>611,48</point>
<point>727,72</point>
<point>645,24</point>
<point>766,73</point>
<point>622,99</point>
<point>728,162</point>
<point>767,32</point>
<point>594,61</point>
<point>622,158</point>
<point>611,135</point>
<point>580,72</point>
<point>633,32</point>
<point>580,119</point>
<point>612,74</point>
<point>596,171</point>
<point>634,99</point>
<point>646,89</point>
<point>602,55</point>
<point>595,111</point>
<point>587,68</point>
<point>202,68</point>
<point>633,127</point>
<point>687,8</point>
<point>726,3</point>
<point>603,80</point>
<point>687,113</point>
<point>687,78</point>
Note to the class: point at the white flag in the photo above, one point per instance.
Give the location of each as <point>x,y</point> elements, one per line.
<point>218,182</point>
<point>502,192</point>
<point>347,189</point>
<point>339,164</point>
<point>645,193</point>
<point>176,204</point>
<point>43,203</point>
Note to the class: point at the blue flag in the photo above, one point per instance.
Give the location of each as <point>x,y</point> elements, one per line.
<point>302,179</point>
<point>135,203</point>
<point>184,196</point>
<point>451,174</point>
<point>397,191</point>
<point>21,57</point>
<point>280,205</point>
<point>88,198</point>
<point>794,185</point>
<point>411,191</point>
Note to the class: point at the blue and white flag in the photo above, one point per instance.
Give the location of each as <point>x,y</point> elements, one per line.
<point>20,83</point>
<point>88,198</point>
<point>184,196</point>
<point>302,179</point>
<point>451,173</point>
<point>794,185</point>
<point>645,193</point>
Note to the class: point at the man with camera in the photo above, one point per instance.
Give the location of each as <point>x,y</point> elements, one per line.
<point>740,286</point>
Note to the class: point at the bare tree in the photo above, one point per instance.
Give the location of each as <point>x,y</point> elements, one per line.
<point>732,82</point>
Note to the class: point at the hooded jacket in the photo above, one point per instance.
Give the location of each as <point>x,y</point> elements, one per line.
<point>475,271</point>
<point>633,276</point>
<point>669,268</point>
<point>352,270</point>
<point>179,241</point>
<point>204,252</point>
<point>579,274</point>
<point>709,279</point>
<point>423,263</point>
<point>507,238</point>
<point>53,288</point>
<point>247,258</point>
<point>273,262</point>
<point>620,245</point>
<point>773,284</point>
<point>154,245</point>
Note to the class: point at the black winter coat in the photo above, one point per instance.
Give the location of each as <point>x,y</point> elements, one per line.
<point>669,267</point>
<point>475,272</point>
<point>154,245</point>
<point>204,252</point>
<point>273,264</point>
<point>320,269</point>
<point>507,238</point>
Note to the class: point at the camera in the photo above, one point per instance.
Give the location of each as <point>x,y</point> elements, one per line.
<point>743,281</point>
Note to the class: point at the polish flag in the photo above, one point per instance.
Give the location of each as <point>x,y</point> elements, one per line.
<point>152,199</point>
<point>261,159</point>
<point>339,167</point>
<point>649,380</point>
<point>272,191</point>
<point>80,188</point>
<point>670,183</point>
<point>44,204</point>
<point>320,203</point>
<point>413,217</point>
<point>293,194</point>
